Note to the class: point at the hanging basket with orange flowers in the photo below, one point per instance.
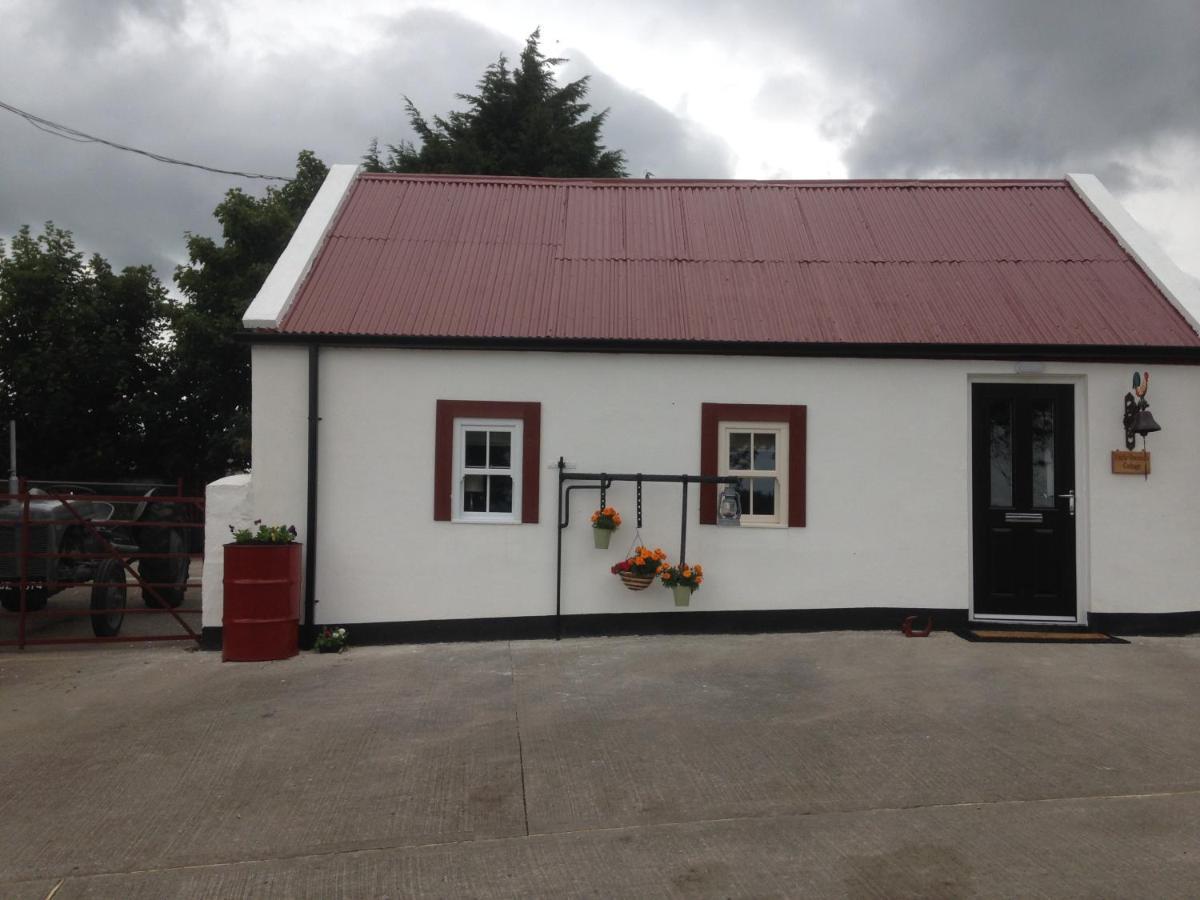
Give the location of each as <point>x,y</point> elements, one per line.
<point>638,570</point>
<point>604,522</point>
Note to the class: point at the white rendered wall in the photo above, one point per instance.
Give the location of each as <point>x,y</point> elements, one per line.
<point>279,438</point>
<point>279,441</point>
<point>227,501</point>
<point>888,482</point>
<point>279,435</point>
<point>1145,532</point>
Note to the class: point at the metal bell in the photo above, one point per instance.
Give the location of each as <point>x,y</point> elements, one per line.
<point>1143,422</point>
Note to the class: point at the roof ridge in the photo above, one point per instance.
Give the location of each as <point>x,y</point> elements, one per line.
<point>850,260</point>
<point>537,181</point>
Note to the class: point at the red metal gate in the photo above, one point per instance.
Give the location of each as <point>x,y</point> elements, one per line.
<point>72,554</point>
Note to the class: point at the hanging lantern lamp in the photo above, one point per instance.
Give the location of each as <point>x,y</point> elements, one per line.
<point>729,506</point>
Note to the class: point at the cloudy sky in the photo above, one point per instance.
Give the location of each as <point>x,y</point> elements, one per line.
<point>703,88</point>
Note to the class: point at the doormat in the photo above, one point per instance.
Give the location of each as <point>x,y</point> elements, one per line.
<point>1029,636</point>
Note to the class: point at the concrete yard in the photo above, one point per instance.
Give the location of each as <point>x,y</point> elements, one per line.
<point>836,764</point>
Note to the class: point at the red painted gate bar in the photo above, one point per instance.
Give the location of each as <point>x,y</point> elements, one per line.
<point>261,618</point>
<point>115,552</point>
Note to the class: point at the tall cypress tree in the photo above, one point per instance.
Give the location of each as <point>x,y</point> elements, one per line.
<point>519,123</point>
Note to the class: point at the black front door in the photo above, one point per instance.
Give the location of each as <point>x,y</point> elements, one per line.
<point>1023,455</point>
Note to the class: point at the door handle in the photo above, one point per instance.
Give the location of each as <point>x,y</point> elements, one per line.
<point>1070,497</point>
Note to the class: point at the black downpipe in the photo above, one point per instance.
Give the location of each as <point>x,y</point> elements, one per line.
<point>308,629</point>
<point>683,527</point>
<point>558,521</point>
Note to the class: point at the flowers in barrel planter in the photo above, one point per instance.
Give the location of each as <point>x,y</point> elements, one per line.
<point>637,571</point>
<point>682,580</point>
<point>330,640</point>
<point>604,522</point>
<point>266,534</point>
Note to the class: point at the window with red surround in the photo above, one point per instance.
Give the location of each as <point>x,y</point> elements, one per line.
<point>486,458</point>
<point>768,442</point>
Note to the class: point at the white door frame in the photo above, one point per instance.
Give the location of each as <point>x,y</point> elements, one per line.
<point>1083,584</point>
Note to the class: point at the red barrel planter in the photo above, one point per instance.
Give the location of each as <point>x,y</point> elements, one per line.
<point>261,618</point>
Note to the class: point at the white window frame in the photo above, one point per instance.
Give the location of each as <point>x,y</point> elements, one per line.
<point>516,430</point>
<point>780,429</point>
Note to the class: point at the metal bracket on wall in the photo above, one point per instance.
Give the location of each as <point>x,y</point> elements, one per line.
<point>603,481</point>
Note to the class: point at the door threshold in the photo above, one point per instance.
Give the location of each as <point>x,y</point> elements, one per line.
<point>1052,621</point>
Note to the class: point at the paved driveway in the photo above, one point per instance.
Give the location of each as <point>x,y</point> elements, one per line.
<point>839,764</point>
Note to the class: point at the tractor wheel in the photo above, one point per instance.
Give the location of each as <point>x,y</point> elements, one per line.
<point>35,599</point>
<point>105,598</point>
<point>166,571</point>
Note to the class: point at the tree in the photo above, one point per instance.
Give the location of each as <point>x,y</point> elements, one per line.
<point>81,359</point>
<point>519,123</point>
<point>210,378</point>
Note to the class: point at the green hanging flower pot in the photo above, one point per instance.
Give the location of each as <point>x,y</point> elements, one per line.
<point>605,521</point>
<point>682,580</point>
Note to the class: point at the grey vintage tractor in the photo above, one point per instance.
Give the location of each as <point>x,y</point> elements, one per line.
<point>66,545</point>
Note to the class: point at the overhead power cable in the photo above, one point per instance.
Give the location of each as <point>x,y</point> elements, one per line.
<point>73,134</point>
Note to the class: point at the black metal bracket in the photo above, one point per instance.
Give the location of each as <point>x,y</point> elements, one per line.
<point>564,509</point>
<point>603,481</point>
<point>1131,410</point>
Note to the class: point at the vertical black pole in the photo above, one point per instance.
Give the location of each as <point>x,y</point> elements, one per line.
<point>639,501</point>
<point>683,526</point>
<point>13,487</point>
<point>558,524</point>
<point>23,560</point>
<point>307,631</point>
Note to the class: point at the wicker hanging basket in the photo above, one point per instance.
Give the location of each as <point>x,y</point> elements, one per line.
<point>636,582</point>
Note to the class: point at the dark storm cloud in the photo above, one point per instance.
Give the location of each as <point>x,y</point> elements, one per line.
<point>162,76</point>
<point>1039,88</point>
<point>1021,87</point>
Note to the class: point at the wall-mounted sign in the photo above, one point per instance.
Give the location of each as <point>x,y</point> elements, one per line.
<point>1131,462</point>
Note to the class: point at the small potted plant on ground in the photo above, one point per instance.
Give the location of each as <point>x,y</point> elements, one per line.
<point>637,572</point>
<point>682,580</point>
<point>261,615</point>
<point>604,522</point>
<point>330,640</point>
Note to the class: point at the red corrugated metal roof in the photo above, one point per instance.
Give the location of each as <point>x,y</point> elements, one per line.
<point>966,262</point>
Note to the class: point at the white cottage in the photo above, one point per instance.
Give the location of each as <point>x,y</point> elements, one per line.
<point>920,385</point>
